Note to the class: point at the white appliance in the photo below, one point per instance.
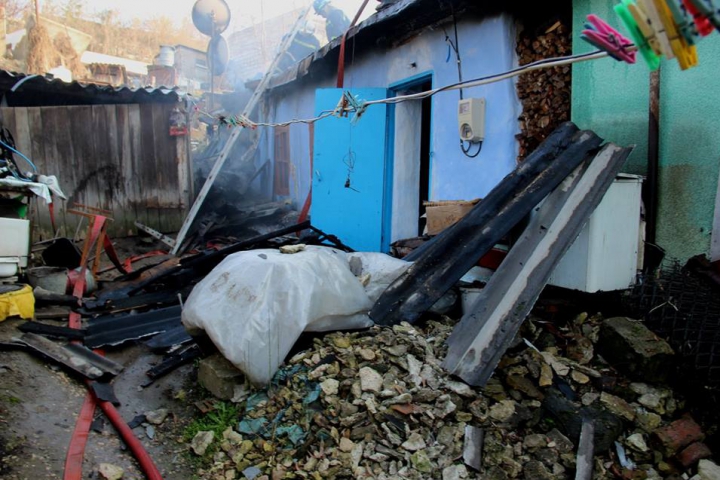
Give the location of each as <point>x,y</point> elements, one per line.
<point>604,257</point>
<point>14,245</point>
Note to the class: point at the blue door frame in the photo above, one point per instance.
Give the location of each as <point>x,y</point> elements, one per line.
<point>393,90</point>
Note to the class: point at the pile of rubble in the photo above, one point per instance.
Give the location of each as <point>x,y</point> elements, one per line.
<point>376,404</point>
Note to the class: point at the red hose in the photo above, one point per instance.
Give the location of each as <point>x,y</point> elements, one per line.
<point>76,449</point>
<point>146,463</point>
<point>78,441</point>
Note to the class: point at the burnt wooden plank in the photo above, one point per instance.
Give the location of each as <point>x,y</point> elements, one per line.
<point>38,143</point>
<point>148,170</point>
<point>104,173</point>
<point>136,156</point>
<point>486,331</point>
<point>84,191</point>
<point>118,198</point>
<point>164,162</point>
<point>125,158</point>
<point>452,253</point>
<point>66,165</point>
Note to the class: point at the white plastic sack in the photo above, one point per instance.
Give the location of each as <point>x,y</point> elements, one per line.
<point>255,304</point>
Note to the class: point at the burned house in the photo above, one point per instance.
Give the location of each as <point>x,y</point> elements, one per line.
<point>370,176</point>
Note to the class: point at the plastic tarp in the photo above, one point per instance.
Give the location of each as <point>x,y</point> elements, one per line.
<point>255,304</point>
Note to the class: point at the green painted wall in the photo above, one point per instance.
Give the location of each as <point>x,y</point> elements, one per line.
<point>611,98</point>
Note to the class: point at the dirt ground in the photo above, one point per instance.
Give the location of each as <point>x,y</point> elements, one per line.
<point>39,404</point>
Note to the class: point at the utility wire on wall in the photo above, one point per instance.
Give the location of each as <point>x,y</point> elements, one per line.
<point>344,109</point>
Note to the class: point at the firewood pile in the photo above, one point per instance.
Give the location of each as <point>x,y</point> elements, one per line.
<point>545,94</point>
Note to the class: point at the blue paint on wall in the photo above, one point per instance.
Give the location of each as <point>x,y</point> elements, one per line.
<point>487,47</point>
<point>349,172</point>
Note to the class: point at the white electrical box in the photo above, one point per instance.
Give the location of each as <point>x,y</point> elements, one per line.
<point>471,119</point>
<point>604,257</point>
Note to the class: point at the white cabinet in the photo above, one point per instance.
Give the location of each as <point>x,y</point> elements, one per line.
<point>604,257</point>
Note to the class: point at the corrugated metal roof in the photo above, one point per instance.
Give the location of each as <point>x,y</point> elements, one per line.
<point>21,90</point>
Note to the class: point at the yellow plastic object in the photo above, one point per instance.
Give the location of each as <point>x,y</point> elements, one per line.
<point>686,55</point>
<point>19,303</point>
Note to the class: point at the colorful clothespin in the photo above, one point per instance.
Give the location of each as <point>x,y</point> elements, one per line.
<point>704,26</point>
<point>641,42</point>
<point>606,38</point>
<point>656,24</point>
<point>684,21</point>
<point>709,9</point>
<point>686,54</point>
<point>643,23</point>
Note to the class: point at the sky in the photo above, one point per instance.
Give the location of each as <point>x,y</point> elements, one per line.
<point>244,12</point>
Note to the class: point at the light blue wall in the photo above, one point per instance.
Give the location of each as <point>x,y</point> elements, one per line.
<point>612,98</point>
<point>487,47</point>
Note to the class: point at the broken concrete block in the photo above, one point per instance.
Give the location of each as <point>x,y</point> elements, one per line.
<point>693,454</point>
<point>201,441</point>
<point>157,417</point>
<point>679,434</point>
<point>708,470</point>
<point>370,380</point>
<point>632,348</point>
<point>219,376</point>
<point>108,471</point>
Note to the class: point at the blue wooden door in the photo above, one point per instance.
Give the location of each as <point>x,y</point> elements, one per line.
<point>350,174</point>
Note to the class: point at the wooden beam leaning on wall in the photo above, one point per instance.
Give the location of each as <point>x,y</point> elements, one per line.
<point>456,250</point>
<point>484,334</point>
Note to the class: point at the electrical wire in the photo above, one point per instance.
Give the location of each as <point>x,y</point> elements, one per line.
<point>466,151</point>
<point>476,82</point>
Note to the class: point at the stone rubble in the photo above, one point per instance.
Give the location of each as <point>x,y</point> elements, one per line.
<point>377,405</point>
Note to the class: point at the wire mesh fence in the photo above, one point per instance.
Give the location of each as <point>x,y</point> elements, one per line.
<point>683,308</point>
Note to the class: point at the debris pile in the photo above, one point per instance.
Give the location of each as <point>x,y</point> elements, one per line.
<point>377,404</point>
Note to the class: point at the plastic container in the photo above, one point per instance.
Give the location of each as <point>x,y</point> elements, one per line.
<point>14,245</point>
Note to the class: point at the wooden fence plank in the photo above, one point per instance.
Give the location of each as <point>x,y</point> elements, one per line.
<point>125,158</point>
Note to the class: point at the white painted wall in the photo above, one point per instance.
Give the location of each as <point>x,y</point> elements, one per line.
<point>406,167</point>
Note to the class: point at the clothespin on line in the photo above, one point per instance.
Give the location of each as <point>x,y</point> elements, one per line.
<point>686,54</point>
<point>710,9</point>
<point>703,25</point>
<point>683,21</point>
<point>641,41</point>
<point>656,24</point>
<point>598,33</point>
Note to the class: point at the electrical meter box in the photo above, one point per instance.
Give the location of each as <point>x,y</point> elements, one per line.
<point>471,119</point>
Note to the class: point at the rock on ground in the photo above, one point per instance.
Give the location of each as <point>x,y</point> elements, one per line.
<point>108,471</point>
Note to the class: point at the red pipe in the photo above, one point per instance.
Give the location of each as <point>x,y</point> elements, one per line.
<point>146,463</point>
<point>341,61</point>
<point>76,449</point>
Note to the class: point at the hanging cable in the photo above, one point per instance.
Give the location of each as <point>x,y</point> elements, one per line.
<point>537,65</point>
<point>466,151</point>
<point>458,59</point>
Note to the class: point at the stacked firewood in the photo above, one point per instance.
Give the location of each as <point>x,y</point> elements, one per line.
<point>545,94</point>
